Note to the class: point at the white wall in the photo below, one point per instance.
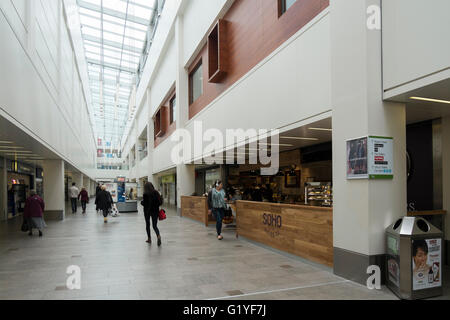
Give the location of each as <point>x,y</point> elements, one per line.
<point>292,84</point>
<point>299,69</point>
<point>164,77</point>
<point>40,88</point>
<point>416,41</point>
<point>198,16</point>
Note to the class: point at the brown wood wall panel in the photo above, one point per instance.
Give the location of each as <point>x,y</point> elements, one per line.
<point>305,231</point>
<point>195,208</point>
<point>254,30</point>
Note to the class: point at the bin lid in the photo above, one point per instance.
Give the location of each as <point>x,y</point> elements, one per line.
<point>410,226</point>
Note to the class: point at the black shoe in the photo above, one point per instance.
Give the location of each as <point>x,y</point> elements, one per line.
<point>40,233</point>
<point>159,241</point>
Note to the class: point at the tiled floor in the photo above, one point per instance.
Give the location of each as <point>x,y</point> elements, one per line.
<point>116,263</point>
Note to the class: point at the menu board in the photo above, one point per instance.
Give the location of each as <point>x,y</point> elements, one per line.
<point>426,263</point>
<point>380,157</point>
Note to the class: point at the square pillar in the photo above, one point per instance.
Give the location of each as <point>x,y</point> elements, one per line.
<point>3,191</point>
<point>53,182</point>
<point>362,209</point>
<point>185,182</point>
<point>446,182</point>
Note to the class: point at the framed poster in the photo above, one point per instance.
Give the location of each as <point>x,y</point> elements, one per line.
<point>426,263</point>
<point>370,157</point>
<point>380,157</point>
<point>357,159</point>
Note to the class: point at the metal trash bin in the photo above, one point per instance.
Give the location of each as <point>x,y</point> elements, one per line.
<point>414,258</point>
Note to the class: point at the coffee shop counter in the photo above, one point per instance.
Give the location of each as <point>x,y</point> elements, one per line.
<point>302,230</point>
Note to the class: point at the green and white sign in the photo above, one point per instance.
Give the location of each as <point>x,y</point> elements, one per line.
<point>380,157</point>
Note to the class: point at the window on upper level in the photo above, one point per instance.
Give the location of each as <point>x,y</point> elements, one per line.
<point>173,109</point>
<point>284,5</point>
<point>196,83</point>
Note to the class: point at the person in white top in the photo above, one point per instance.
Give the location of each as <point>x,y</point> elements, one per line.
<point>73,194</point>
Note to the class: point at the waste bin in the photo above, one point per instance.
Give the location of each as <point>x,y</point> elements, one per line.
<point>414,258</point>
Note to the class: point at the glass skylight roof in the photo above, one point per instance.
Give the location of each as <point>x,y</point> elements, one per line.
<point>115,35</point>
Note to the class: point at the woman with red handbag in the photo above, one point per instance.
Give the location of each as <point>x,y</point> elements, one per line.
<point>151,202</point>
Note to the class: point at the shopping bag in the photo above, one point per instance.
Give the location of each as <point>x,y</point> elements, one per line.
<point>162,214</point>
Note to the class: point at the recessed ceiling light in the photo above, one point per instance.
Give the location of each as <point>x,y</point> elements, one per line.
<point>300,138</point>
<point>430,100</point>
<point>6,142</point>
<point>276,144</point>
<point>320,129</point>
<point>9,147</point>
<point>16,152</point>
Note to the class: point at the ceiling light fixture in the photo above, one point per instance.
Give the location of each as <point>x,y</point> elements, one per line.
<point>430,100</point>
<point>321,129</point>
<point>6,142</point>
<point>276,144</point>
<point>300,138</point>
<point>8,147</point>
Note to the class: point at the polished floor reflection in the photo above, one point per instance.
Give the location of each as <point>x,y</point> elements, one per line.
<point>116,263</point>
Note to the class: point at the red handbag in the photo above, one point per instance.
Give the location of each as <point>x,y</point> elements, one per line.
<point>162,214</point>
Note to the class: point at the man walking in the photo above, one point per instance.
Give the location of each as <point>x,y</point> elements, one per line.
<point>73,194</point>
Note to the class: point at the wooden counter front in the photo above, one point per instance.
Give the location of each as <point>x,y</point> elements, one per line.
<point>305,231</point>
<point>195,208</point>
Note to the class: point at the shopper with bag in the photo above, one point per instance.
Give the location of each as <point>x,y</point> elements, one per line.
<point>218,206</point>
<point>104,203</point>
<point>34,213</point>
<point>151,203</point>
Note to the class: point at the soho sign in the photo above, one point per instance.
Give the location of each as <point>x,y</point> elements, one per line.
<point>273,224</point>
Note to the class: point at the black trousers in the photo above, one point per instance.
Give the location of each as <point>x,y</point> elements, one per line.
<point>105,212</point>
<point>83,205</point>
<point>154,217</point>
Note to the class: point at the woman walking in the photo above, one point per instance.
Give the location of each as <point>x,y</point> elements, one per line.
<point>151,203</point>
<point>84,199</point>
<point>218,206</point>
<point>104,203</point>
<point>34,212</point>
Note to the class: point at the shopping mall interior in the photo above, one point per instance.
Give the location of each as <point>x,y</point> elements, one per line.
<point>326,123</point>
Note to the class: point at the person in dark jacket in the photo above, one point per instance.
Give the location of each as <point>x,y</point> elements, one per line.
<point>151,202</point>
<point>34,213</point>
<point>97,191</point>
<point>104,202</point>
<point>84,197</point>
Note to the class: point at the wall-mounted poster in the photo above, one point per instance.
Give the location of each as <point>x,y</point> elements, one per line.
<point>357,159</point>
<point>426,263</point>
<point>380,157</point>
<point>370,157</point>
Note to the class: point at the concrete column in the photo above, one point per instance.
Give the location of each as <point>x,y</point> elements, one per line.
<point>446,180</point>
<point>150,139</point>
<point>3,192</point>
<point>53,182</point>
<point>185,182</point>
<point>362,208</point>
<point>185,173</point>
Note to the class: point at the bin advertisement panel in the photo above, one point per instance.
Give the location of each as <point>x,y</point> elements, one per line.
<point>426,263</point>
<point>393,261</point>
